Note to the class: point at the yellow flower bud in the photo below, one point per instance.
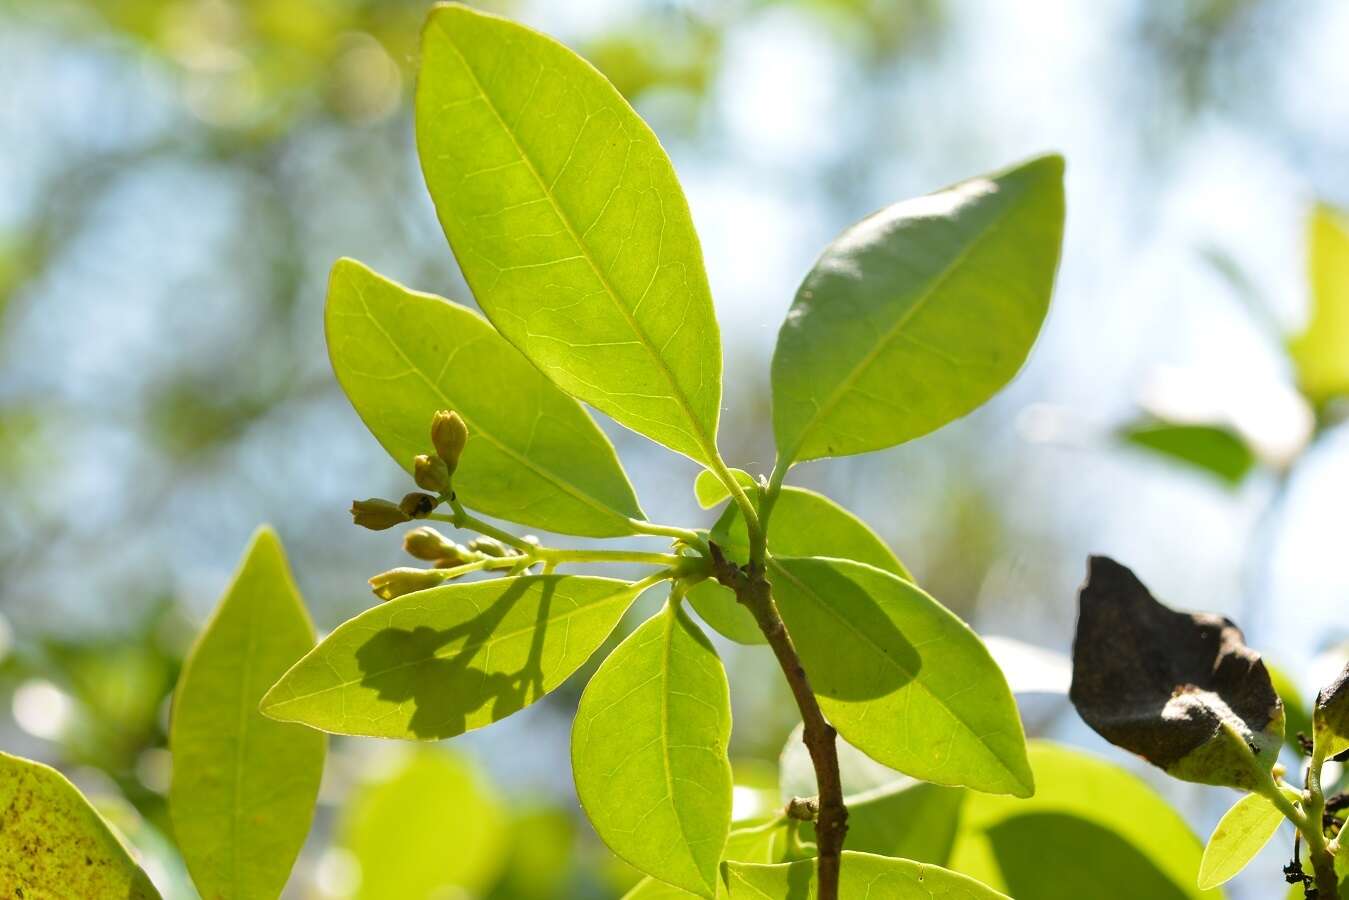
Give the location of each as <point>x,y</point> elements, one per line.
<point>417,505</point>
<point>428,544</point>
<point>397,582</point>
<point>489,546</point>
<point>449,434</point>
<point>431,474</point>
<point>377,514</point>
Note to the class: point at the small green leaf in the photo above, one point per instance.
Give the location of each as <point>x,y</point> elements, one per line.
<point>918,314</point>
<point>804,523</point>
<point>534,454</point>
<point>1321,351</point>
<point>53,844</point>
<point>431,827</point>
<point>439,662</point>
<point>759,843</point>
<point>649,752</point>
<point>1112,836</point>
<point>569,225</point>
<point>862,875</point>
<point>1215,449</point>
<point>901,677</point>
<point>1243,831</point>
<point>710,490</point>
<point>244,786</point>
<point>1331,719</point>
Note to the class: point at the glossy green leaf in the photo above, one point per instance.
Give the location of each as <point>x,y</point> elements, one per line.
<point>804,523</point>
<point>1214,449</point>
<point>569,225</point>
<point>244,786</point>
<point>1321,351</point>
<point>534,454</point>
<point>1113,837</point>
<point>918,314</point>
<point>430,827</point>
<point>51,839</point>
<point>1241,833</point>
<point>437,663</point>
<point>649,752</point>
<point>901,677</point>
<point>862,875</point>
<point>710,490</point>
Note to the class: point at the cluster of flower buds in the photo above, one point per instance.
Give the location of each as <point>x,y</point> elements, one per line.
<point>449,435</point>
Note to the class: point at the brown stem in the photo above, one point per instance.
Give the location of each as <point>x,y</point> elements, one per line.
<point>1327,883</point>
<point>752,589</point>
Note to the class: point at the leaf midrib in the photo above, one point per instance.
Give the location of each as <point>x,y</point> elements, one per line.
<point>700,436</point>
<point>892,333</point>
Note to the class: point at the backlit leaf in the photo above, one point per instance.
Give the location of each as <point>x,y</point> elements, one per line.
<point>1321,351</point>
<point>1241,833</point>
<point>649,752</point>
<point>901,677</point>
<point>244,786</point>
<point>759,843</point>
<point>1215,449</point>
<point>534,454</point>
<point>918,314</point>
<point>439,662</point>
<point>804,523</point>
<point>710,490</point>
<point>569,225</point>
<point>53,844</point>
<point>862,875</point>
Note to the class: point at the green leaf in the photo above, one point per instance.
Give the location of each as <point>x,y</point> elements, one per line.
<point>1297,718</point>
<point>1243,831</point>
<point>1331,718</point>
<point>909,819</point>
<point>1321,351</point>
<point>649,752</point>
<point>431,827</point>
<point>534,454</point>
<point>439,662</point>
<point>1113,837</point>
<point>804,523</point>
<point>918,314</point>
<point>244,786</point>
<point>761,843</point>
<point>710,490</point>
<point>1215,449</point>
<point>901,677</point>
<point>569,225</point>
<point>51,838</point>
<point>862,875</point>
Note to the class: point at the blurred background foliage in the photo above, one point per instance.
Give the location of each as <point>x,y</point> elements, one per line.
<point>176,177</point>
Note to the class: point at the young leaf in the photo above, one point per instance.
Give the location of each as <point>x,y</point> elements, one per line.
<point>244,786</point>
<point>862,875</point>
<point>569,225</point>
<point>710,490</point>
<point>649,752</point>
<point>918,314</point>
<point>1321,351</point>
<point>901,677</point>
<point>439,662</point>
<point>1331,719</point>
<point>534,455</point>
<point>1243,831</point>
<point>1214,449</point>
<point>431,827</point>
<point>1112,836</point>
<point>1181,690</point>
<point>804,524</point>
<point>53,843</point>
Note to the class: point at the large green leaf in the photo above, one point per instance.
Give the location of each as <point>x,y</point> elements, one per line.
<point>804,523</point>
<point>918,314</point>
<point>244,786</point>
<point>1215,449</point>
<point>901,677</point>
<point>649,752</point>
<point>534,455</point>
<point>1108,836</point>
<point>443,661</point>
<point>569,225</point>
<point>1243,831</point>
<point>862,875</point>
<point>430,827</point>
<point>53,844</point>
<point>1321,351</point>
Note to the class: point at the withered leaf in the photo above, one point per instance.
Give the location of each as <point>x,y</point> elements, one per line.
<point>1182,690</point>
<point>1332,716</point>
